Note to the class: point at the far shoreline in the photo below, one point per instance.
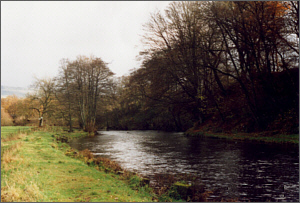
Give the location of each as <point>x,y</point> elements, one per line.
<point>264,136</point>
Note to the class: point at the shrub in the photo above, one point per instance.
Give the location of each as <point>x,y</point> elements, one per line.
<point>108,164</point>
<point>6,119</point>
<point>87,153</point>
<point>20,120</point>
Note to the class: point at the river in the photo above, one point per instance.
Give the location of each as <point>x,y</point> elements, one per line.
<point>248,171</point>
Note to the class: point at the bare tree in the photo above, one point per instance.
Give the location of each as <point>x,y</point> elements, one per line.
<point>82,82</point>
<point>43,97</point>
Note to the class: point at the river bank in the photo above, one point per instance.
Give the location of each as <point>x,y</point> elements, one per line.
<point>34,167</point>
<point>41,166</point>
<point>38,165</point>
<point>242,170</point>
<point>267,137</point>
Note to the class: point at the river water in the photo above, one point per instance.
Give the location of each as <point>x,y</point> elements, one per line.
<point>247,171</point>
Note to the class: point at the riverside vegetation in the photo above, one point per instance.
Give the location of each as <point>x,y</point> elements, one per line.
<point>37,165</point>
<point>268,137</point>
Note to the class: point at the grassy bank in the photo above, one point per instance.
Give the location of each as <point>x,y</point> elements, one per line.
<point>11,131</point>
<point>268,137</point>
<point>34,167</point>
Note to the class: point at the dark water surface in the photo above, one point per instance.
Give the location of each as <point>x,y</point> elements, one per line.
<point>243,170</point>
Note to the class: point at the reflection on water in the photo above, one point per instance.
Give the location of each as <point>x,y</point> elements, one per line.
<point>248,171</point>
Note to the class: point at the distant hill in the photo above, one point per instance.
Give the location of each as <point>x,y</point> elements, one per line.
<point>18,91</point>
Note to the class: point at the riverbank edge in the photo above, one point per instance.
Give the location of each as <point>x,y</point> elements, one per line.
<point>87,158</point>
<point>13,189</point>
<point>178,191</point>
<point>264,137</point>
<point>132,179</point>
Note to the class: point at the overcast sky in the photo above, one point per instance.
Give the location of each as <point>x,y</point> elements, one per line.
<point>35,36</point>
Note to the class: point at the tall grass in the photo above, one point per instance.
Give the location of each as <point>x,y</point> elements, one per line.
<point>8,155</point>
<point>9,146</point>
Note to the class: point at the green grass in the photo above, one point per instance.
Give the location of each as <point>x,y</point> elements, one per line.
<point>9,130</point>
<point>38,170</point>
<point>74,135</point>
<point>10,135</point>
<point>260,137</point>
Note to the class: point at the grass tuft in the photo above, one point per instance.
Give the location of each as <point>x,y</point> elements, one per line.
<point>8,155</point>
<point>13,193</point>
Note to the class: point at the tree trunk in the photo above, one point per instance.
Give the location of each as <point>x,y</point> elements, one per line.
<point>41,122</point>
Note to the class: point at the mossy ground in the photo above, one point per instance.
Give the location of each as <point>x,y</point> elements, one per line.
<point>35,168</point>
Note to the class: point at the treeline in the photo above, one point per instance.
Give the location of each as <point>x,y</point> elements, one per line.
<point>229,66</point>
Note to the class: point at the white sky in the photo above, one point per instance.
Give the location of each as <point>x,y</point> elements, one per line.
<point>35,36</point>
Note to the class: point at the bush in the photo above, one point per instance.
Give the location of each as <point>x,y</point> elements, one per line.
<point>20,120</point>
<point>6,119</point>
